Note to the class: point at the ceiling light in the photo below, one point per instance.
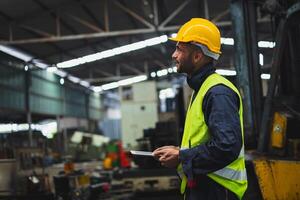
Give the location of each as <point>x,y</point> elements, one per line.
<point>266,44</point>
<point>226,72</point>
<point>227,41</point>
<point>73,79</point>
<point>16,53</point>
<point>84,83</point>
<point>261,59</point>
<point>265,76</point>
<point>162,72</point>
<point>60,73</point>
<point>51,69</point>
<point>173,35</point>
<point>112,52</point>
<point>62,81</point>
<point>170,70</point>
<point>110,86</point>
<point>153,74</point>
<point>97,89</point>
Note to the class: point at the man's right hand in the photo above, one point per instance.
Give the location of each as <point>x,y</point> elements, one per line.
<point>167,155</point>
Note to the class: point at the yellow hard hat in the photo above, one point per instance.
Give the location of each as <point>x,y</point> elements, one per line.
<point>201,32</point>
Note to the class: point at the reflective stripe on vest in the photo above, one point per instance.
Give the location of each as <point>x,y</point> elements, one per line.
<point>232,174</point>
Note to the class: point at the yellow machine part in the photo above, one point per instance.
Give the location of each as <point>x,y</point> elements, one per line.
<point>278,179</point>
<point>83,180</point>
<point>278,130</point>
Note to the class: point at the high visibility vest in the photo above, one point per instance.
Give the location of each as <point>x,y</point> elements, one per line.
<point>233,176</point>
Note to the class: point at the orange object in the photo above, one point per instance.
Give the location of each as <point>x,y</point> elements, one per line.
<point>69,167</point>
<point>107,163</point>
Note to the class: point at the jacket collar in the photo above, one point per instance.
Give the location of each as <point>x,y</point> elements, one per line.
<point>196,80</point>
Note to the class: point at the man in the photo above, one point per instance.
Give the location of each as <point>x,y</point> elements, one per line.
<point>210,160</point>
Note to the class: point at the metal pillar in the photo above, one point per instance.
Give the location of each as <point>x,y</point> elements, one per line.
<point>27,107</point>
<point>246,63</point>
<point>281,40</point>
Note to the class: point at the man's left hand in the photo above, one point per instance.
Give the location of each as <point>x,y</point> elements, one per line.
<point>168,156</point>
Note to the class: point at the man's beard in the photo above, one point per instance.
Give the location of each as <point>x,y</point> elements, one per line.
<point>186,66</point>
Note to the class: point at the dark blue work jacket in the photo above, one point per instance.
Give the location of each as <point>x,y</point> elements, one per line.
<point>221,113</point>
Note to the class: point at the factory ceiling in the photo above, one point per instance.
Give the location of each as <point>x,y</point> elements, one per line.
<point>60,30</point>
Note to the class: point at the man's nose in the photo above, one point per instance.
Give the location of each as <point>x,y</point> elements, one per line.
<point>174,55</point>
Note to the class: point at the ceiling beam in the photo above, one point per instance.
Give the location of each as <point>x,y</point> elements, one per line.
<point>37,31</point>
<point>134,15</point>
<point>131,68</point>
<point>79,36</point>
<point>107,74</point>
<point>155,13</point>
<point>174,13</point>
<point>206,9</point>
<point>84,22</point>
<point>107,79</point>
<point>90,14</point>
<point>221,15</point>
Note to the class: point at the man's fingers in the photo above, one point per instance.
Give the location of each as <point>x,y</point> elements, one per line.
<point>162,159</point>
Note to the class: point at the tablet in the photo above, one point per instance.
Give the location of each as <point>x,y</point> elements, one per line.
<point>141,153</point>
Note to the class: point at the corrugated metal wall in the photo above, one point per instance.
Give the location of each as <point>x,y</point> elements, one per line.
<point>12,87</point>
<point>46,94</point>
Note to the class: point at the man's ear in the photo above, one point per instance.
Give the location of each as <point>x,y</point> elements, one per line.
<point>198,55</point>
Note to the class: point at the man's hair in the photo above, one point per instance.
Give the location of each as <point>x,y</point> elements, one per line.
<point>195,48</point>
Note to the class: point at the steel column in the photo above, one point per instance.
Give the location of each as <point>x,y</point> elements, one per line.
<point>246,64</point>
<point>27,107</point>
<point>276,61</point>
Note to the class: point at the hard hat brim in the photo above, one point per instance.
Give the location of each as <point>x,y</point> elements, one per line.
<point>176,40</point>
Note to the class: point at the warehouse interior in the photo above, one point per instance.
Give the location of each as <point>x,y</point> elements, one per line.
<point>84,82</point>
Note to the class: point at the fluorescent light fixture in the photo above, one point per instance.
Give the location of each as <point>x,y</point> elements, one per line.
<point>153,74</point>
<point>227,41</point>
<point>110,86</point>
<point>84,83</point>
<point>47,129</point>
<point>60,73</point>
<point>166,93</point>
<point>226,72</point>
<point>112,52</point>
<point>173,35</point>
<point>62,81</point>
<point>261,59</point>
<point>73,79</point>
<point>16,53</point>
<point>69,63</point>
<point>97,89</point>
<point>162,72</point>
<point>41,65</point>
<point>117,84</point>
<point>51,69</point>
<point>266,44</point>
<point>132,80</point>
<point>265,76</point>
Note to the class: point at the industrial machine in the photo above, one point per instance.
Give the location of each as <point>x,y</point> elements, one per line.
<point>273,167</point>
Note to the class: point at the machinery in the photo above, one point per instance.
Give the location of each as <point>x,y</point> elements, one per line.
<point>273,168</point>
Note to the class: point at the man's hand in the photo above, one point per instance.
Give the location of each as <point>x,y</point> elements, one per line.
<point>168,156</point>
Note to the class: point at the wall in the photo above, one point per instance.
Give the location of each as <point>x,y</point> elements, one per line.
<point>138,113</point>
